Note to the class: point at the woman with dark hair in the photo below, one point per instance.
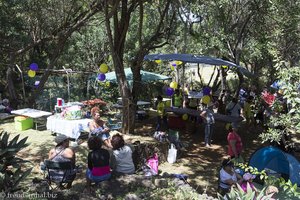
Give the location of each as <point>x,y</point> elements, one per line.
<point>98,162</point>
<point>235,145</point>
<point>228,177</point>
<point>121,158</point>
<point>99,128</point>
<point>62,153</point>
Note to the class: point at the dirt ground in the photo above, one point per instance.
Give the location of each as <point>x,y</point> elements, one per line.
<point>200,163</point>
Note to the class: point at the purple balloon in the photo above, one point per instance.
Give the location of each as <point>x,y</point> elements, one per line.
<point>101,77</point>
<point>34,66</point>
<point>169,91</point>
<point>36,83</point>
<point>206,91</point>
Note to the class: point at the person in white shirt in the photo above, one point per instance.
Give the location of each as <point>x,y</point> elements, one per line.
<point>121,158</point>
<point>228,177</point>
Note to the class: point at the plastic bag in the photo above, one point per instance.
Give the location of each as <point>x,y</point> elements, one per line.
<point>172,154</point>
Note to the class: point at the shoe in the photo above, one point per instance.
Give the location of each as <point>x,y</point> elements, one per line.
<point>207,145</point>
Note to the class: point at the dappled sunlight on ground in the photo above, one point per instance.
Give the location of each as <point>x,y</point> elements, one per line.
<point>200,163</point>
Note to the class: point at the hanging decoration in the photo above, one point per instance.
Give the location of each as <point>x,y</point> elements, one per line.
<point>169,91</point>
<point>158,61</point>
<point>31,73</point>
<point>101,77</point>
<point>185,117</point>
<point>103,68</point>
<point>206,91</point>
<point>178,62</point>
<point>173,85</point>
<point>33,67</point>
<point>205,99</point>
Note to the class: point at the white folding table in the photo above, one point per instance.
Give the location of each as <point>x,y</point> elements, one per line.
<point>38,116</point>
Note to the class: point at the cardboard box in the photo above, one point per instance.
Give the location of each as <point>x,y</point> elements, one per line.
<point>23,123</point>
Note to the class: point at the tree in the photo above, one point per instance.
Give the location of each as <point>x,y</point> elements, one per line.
<point>289,122</point>
<point>147,38</point>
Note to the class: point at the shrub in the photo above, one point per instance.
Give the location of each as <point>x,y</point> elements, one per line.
<point>10,165</point>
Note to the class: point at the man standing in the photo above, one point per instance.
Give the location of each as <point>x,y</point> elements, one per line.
<point>208,115</point>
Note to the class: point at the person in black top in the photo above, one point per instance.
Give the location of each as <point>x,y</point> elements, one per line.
<point>98,162</point>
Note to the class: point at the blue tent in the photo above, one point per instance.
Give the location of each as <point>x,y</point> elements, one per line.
<point>189,58</point>
<point>275,160</point>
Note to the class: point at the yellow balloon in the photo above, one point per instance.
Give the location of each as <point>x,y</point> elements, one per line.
<point>178,62</point>
<point>224,66</point>
<point>172,68</point>
<point>173,85</point>
<point>227,126</point>
<point>185,117</point>
<point>205,99</point>
<point>168,104</point>
<point>103,68</point>
<point>31,73</point>
<point>158,61</point>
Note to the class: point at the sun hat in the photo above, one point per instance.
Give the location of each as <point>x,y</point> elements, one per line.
<point>60,138</point>
<point>247,176</point>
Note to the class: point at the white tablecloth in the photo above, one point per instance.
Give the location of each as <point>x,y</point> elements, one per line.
<point>33,113</point>
<point>70,128</point>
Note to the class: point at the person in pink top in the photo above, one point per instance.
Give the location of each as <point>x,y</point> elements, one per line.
<point>235,145</point>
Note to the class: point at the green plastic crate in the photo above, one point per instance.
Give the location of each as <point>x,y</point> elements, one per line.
<point>23,123</point>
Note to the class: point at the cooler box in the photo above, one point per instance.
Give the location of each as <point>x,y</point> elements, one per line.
<point>176,122</point>
<point>23,123</point>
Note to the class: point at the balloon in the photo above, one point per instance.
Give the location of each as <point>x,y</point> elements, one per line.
<point>174,64</point>
<point>36,83</point>
<point>169,91</point>
<point>224,67</point>
<point>34,67</point>
<point>101,77</point>
<point>103,68</point>
<point>205,99</point>
<point>168,104</point>
<point>227,126</point>
<point>178,62</point>
<point>185,117</point>
<point>158,61</point>
<point>172,68</point>
<point>31,73</point>
<point>173,85</point>
<point>206,91</point>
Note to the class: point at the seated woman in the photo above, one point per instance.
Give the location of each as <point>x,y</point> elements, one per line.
<point>121,158</point>
<point>228,177</point>
<point>62,153</point>
<point>98,127</point>
<point>98,162</point>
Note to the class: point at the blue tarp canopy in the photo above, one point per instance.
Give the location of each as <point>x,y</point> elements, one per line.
<point>146,76</point>
<point>189,58</point>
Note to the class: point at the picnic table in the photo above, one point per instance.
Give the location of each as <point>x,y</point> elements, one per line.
<point>70,128</point>
<point>38,116</point>
<point>217,116</point>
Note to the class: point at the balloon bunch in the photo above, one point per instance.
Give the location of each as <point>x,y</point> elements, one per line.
<point>33,67</point>
<point>103,70</point>
<point>206,98</point>
<point>169,91</point>
<point>174,64</point>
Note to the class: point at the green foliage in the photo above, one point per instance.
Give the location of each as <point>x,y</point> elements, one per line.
<point>290,121</point>
<point>286,188</point>
<point>10,165</point>
<point>239,193</point>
